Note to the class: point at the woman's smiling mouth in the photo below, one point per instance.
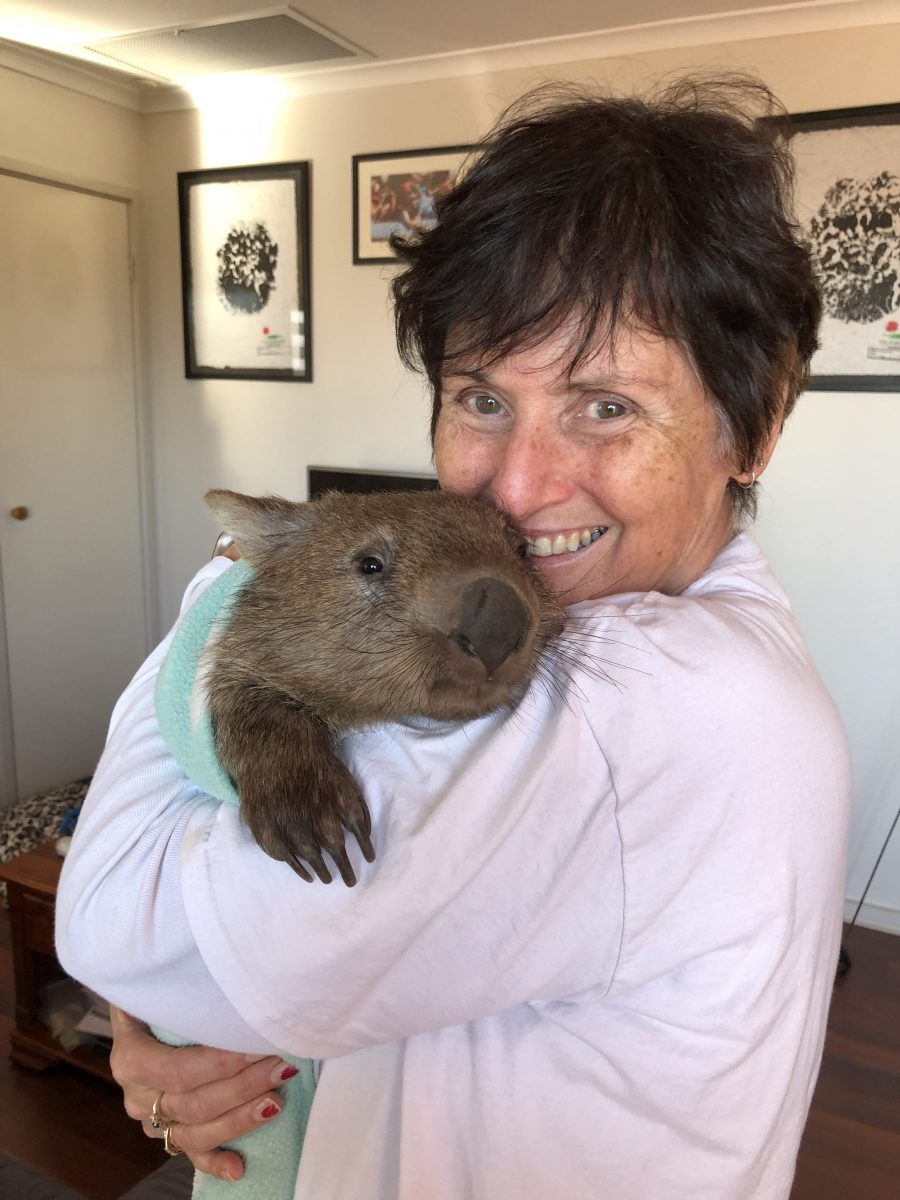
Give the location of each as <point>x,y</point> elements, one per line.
<point>550,545</point>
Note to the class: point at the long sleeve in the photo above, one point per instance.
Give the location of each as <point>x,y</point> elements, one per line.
<point>602,923</point>
<point>121,926</point>
<point>481,897</point>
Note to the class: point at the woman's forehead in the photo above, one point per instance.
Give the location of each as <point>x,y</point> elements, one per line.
<point>632,355</point>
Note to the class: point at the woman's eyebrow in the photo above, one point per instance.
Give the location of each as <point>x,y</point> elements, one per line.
<point>594,383</point>
<point>613,381</point>
<point>466,373</point>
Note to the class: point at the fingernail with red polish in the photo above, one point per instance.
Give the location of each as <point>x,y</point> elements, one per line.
<point>269,1110</point>
<point>282,1072</point>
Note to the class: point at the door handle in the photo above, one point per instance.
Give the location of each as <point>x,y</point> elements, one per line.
<point>19,513</point>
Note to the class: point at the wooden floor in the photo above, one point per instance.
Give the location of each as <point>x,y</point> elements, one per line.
<point>64,1123</point>
<point>851,1148</point>
<point>73,1127</point>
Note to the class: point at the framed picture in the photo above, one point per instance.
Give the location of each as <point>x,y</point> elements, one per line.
<point>848,202</point>
<point>245,272</point>
<point>354,479</point>
<point>396,193</point>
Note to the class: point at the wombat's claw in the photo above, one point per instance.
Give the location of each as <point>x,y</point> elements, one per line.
<point>318,864</point>
<point>297,866</point>
<point>339,854</point>
<point>343,865</point>
<point>361,833</point>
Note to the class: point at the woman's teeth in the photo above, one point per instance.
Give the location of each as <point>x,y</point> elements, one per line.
<point>564,543</point>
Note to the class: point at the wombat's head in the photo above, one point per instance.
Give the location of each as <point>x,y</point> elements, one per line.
<point>387,605</point>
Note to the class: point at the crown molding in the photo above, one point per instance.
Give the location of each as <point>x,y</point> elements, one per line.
<point>812,16</point>
<point>72,73</point>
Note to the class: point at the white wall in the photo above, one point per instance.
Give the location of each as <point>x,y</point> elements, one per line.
<point>830,522</point>
<point>64,135</point>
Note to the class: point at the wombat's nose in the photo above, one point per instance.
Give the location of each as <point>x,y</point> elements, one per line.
<point>493,622</point>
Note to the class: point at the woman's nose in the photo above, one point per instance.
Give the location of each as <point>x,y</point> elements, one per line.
<point>533,471</point>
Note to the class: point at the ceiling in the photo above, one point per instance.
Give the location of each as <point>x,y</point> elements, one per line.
<point>373,34</point>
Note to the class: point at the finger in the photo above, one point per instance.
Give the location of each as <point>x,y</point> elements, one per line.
<point>136,1067</point>
<point>224,1164</point>
<point>139,1060</point>
<point>343,865</point>
<point>210,1103</point>
<point>200,1139</point>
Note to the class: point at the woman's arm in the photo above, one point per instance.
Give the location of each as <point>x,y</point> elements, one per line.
<point>497,882</point>
<point>119,908</point>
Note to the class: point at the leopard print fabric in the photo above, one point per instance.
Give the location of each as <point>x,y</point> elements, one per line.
<point>25,825</point>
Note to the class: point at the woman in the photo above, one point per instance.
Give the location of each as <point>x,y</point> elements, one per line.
<point>595,953</point>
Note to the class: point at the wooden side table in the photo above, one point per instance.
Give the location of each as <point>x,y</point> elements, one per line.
<point>31,882</point>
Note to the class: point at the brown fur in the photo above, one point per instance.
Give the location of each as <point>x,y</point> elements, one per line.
<point>322,642</point>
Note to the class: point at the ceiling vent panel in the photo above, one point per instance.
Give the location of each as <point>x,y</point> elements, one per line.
<point>250,44</point>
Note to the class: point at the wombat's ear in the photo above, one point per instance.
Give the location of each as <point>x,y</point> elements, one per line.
<point>258,524</point>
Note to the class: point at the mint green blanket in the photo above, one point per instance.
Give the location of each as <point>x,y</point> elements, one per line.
<point>271,1153</point>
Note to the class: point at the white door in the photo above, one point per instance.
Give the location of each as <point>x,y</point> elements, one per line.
<point>71,565</point>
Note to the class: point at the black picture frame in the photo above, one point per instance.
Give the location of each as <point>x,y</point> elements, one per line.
<point>362,479</point>
<point>398,169</point>
<point>847,199</point>
<point>245,272</point>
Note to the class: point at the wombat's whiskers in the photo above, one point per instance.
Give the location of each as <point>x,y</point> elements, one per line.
<point>582,631</point>
<point>574,653</point>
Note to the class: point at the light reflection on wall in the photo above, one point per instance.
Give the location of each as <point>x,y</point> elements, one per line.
<point>239,117</point>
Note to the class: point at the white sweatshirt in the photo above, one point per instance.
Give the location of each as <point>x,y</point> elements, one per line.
<point>594,956</point>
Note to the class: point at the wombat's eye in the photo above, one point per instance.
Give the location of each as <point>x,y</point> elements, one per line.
<point>370,565</point>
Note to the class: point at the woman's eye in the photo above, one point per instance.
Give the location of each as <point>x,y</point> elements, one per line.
<point>483,404</point>
<point>606,409</point>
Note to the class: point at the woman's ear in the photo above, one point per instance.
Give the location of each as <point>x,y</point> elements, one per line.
<point>748,478</point>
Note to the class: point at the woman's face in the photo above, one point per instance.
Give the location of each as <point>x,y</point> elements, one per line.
<point>624,451</point>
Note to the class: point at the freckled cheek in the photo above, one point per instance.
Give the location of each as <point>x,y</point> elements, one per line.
<point>462,464</point>
<point>628,484</point>
<point>643,491</point>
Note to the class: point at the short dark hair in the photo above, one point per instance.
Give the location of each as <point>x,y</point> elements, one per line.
<point>672,211</point>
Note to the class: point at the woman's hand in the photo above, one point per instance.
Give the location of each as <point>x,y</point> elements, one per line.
<point>208,1097</point>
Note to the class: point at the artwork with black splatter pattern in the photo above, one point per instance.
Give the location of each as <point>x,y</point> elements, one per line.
<point>855,239</point>
<point>847,200</point>
<point>246,271</point>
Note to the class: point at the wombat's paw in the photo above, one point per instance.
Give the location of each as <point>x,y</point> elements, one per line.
<point>296,829</point>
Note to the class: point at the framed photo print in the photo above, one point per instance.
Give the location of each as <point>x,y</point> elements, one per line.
<point>245,272</point>
<point>848,202</point>
<point>396,193</point>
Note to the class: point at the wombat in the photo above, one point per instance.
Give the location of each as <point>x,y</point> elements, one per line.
<point>361,609</point>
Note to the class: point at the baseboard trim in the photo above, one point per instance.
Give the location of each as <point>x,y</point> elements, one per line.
<point>874,916</point>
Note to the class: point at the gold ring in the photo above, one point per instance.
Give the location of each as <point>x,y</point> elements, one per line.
<point>157,1120</point>
<point>168,1145</point>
